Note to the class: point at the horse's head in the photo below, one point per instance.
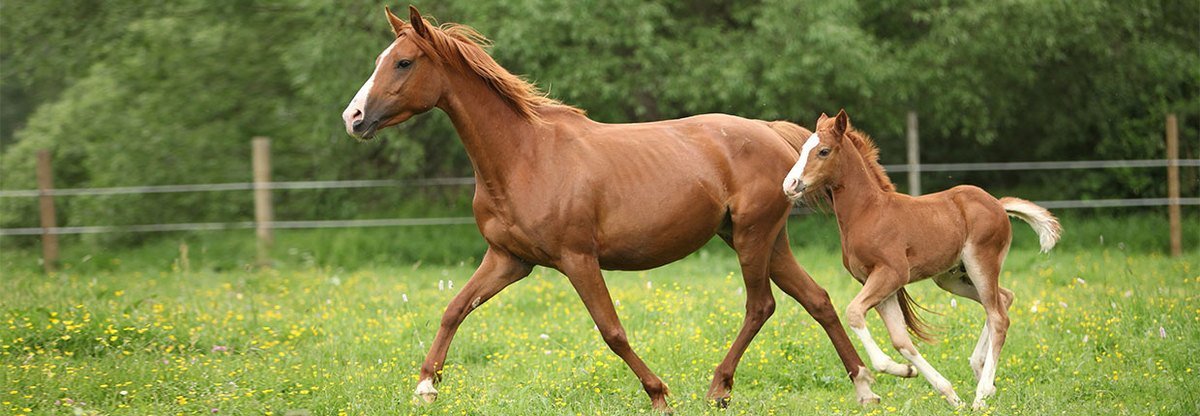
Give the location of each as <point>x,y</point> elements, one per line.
<point>407,81</point>
<point>817,166</point>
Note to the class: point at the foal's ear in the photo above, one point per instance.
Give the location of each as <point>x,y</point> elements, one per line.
<point>822,118</point>
<point>397,24</point>
<point>841,123</point>
<point>417,22</point>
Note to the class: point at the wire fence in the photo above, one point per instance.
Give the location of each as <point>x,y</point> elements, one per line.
<point>467,181</point>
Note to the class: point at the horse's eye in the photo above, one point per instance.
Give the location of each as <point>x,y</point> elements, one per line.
<point>403,63</point>
<point>824,152</point>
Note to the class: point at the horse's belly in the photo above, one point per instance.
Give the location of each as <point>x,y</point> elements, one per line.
<point>648,239</point>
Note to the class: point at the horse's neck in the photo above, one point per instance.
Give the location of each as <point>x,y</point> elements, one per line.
<point>856,192</point>
<point>494,134</point>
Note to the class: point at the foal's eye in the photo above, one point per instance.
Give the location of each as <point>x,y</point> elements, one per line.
<point>403,63</point>
<point>823,153</point>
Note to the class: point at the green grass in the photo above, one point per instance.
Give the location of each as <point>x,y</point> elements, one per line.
<point>133,332</point>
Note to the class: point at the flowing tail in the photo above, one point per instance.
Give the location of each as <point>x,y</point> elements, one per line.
<point>792,133</point>
<point>915,324</point>
<point>1043,222</point>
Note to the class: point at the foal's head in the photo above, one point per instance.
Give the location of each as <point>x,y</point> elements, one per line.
<point>407,81</point>
<point>817,166</point>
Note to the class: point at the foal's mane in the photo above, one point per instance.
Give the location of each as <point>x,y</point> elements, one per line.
<point>463,47</point>
<point>870,155</point>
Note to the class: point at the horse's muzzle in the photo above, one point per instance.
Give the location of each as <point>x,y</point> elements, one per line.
<point>793,188</point>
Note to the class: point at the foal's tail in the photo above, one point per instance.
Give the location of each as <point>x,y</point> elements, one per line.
<point>791,132</point>
<point>915,324</point>
<point>1043,222</point>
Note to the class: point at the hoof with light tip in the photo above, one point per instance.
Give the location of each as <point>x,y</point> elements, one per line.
<point>862,387</point>
<point>426,392</point>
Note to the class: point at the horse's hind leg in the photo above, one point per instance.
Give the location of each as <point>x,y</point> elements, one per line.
<point>495,272</point>
<point>983,267</point>
<point>584,273</point>
<point>793,280</point>
<point>961,285</point>
<point>893,318</point>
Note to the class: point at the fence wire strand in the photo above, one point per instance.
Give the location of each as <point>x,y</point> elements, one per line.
<point>463,181</point>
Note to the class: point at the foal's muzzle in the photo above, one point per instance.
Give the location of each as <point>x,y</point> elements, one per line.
<point>794,188</point>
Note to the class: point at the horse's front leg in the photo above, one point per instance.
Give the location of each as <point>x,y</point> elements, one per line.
<point>793,280</point>
<point>497,270</point>
<point>754,255</point>
<point>584,273</point>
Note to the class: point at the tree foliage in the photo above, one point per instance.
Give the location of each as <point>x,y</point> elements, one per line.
<point>131,92</point>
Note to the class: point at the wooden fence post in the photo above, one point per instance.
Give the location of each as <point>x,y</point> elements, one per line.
<point>914,156</point>
<point>263,211</point>
<point>1173,185</point>
<point>45,181</point>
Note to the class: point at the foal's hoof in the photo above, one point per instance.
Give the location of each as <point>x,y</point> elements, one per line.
<point>426,392</point>
<point>979,405</point>
<point>869,400</point>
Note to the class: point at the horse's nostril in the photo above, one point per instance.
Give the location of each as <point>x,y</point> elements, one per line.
<point>357,117</point>
<point>358,123</point>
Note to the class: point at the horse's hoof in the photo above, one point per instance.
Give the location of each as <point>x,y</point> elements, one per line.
<point>720,403</point>
<point>912,372</point>
<point>869,400</point>
<point>955,402</point>
<point>664,409</point>
<point>426,392</point>
<point>979,405</point>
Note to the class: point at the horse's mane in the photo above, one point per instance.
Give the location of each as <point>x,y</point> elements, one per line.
<point>870,155</point>
<point>463,47</point>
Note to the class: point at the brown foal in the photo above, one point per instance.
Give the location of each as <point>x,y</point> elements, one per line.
<point>556,189</point>
<point>959,237</point>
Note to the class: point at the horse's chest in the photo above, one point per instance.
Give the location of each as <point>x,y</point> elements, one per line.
<point>513,231</point>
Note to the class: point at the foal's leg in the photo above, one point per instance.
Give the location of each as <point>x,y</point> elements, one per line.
<point>880,285</point>
<point>584,273</point>
<point>497,270</point>
<point>889,310</point>
<point>754,253</point>
<point>983,267</point>
<point>958,286</point>
<point>793,280</point>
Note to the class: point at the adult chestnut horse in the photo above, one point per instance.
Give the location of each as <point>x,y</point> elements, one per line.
<point>958,237</point>
<point>556,189</point>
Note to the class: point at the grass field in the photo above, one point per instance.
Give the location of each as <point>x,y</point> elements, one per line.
<point>1098,327</point>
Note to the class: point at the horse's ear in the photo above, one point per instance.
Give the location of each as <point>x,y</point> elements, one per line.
<point>397,24</point>
<point>417,22</point>
<point>841,123</point>
<point>822,118</point>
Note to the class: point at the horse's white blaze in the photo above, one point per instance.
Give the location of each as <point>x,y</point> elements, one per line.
<point>797,172</point>
<point>359,103</point>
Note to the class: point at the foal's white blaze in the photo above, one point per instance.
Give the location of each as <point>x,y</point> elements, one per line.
<point>359,103</point>
<point>797,172</point>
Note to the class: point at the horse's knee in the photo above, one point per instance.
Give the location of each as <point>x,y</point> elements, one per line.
<point>856,316</point>
<point>761,310</point>
<point>615,337</point>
